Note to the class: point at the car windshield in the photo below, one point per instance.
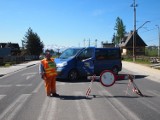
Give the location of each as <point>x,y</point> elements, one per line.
<point>69,53</point>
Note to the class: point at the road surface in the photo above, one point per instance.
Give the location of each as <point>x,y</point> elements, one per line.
<point>22,97</point>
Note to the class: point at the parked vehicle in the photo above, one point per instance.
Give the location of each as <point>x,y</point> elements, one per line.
<point>73,61</point>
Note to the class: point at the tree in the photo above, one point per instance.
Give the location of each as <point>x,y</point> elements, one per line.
<point>120,31</point>
<point>32,43</point>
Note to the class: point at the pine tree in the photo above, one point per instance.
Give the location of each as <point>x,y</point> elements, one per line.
<point>121,30</point>
<point>32,43</point>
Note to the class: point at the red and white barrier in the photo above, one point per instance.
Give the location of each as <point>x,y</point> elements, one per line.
<point>107,78</point>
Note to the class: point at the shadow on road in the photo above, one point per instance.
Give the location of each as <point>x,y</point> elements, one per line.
<point>122,77</point>
<point>1,75</point>
<point>120,96</point>
<point>71,97</point>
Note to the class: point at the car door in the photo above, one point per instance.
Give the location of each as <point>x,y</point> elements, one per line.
<point>85,62</point>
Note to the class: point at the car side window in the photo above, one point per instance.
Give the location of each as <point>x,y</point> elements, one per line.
<point>103,54</point>
<point>87,53</point>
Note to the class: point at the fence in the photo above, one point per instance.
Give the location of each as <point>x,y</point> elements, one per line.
<point>154,62</point>
<point>17,59</point>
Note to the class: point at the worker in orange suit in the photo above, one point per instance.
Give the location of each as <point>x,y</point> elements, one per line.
<point>48,73</point>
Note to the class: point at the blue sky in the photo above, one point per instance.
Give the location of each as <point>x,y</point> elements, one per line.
<point>63,23</point>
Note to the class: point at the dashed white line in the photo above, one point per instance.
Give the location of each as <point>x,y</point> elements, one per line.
<point>2,96</point>
<point>117,111</point>
<point>48,109</point>
<point>154,92</point>
<point>87,108</point>
<point>38,87</point>
<point>26,74</point>
<point>17,85</point>
<point>149,104</point>
<point>43,110</point>
<point>124,110</point>
<point>23,85</point>
<point>29,77</point>
<point>13,109</point>
<point>52,110</point>
<point>80,112</point>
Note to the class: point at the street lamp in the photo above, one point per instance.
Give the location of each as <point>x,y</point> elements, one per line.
<point>159,40</point>
<point>142,25</point>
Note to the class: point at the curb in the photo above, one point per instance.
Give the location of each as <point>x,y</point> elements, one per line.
<point>17,70</point>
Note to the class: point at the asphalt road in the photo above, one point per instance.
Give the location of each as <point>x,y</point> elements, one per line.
<point>22,97</point>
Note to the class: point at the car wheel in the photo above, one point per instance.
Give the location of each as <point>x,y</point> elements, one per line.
<point>115,70</point>
<point>73,75</point>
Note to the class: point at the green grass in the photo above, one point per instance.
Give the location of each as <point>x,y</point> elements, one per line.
<point>139,61</point>
<point>8,64</point>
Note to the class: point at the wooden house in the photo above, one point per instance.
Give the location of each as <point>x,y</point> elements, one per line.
<point>126,44</point>
<point>14,48</point>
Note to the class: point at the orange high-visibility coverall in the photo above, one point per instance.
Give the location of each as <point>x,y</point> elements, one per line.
<point>50,74</point>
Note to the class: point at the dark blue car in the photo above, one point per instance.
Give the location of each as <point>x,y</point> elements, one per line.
<point>77,62</point>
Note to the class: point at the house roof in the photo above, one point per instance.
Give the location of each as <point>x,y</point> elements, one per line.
<point>128,40</point>
<point>13,46</point>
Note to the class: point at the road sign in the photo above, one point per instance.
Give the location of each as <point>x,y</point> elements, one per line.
<point>107,78</point>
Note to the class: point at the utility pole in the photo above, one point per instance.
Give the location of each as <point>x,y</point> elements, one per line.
<point>95,42</point>
<point>134,5</point>
<point>159,40</point>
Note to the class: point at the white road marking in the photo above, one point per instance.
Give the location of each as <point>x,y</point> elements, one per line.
<point>51,110</point>
<point>44,107</point>
<point>17,85</point>
<point>123,109</point>
<point>87,108</point>
<point>48,110</point>
<point>63,83</point>
<point>78,103</point>
<point>117,111</point>
<point>23,85</point>
<point>29,77</point>
<point>154,92</point>
<point>33,73</point>
<point>2,96</point>
<point>80,113</point>
<point>38,87</point>
<point>18,70</point>
<point>14,108</point>
<point>149,104</point>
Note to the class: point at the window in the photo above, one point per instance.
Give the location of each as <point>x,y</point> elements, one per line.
<point>87,53</point>
<point>103,54</point>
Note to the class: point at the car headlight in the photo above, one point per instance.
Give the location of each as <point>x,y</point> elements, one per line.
<point>62,64</point>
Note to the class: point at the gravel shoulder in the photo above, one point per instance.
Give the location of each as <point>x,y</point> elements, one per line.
<point>139,69</point>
